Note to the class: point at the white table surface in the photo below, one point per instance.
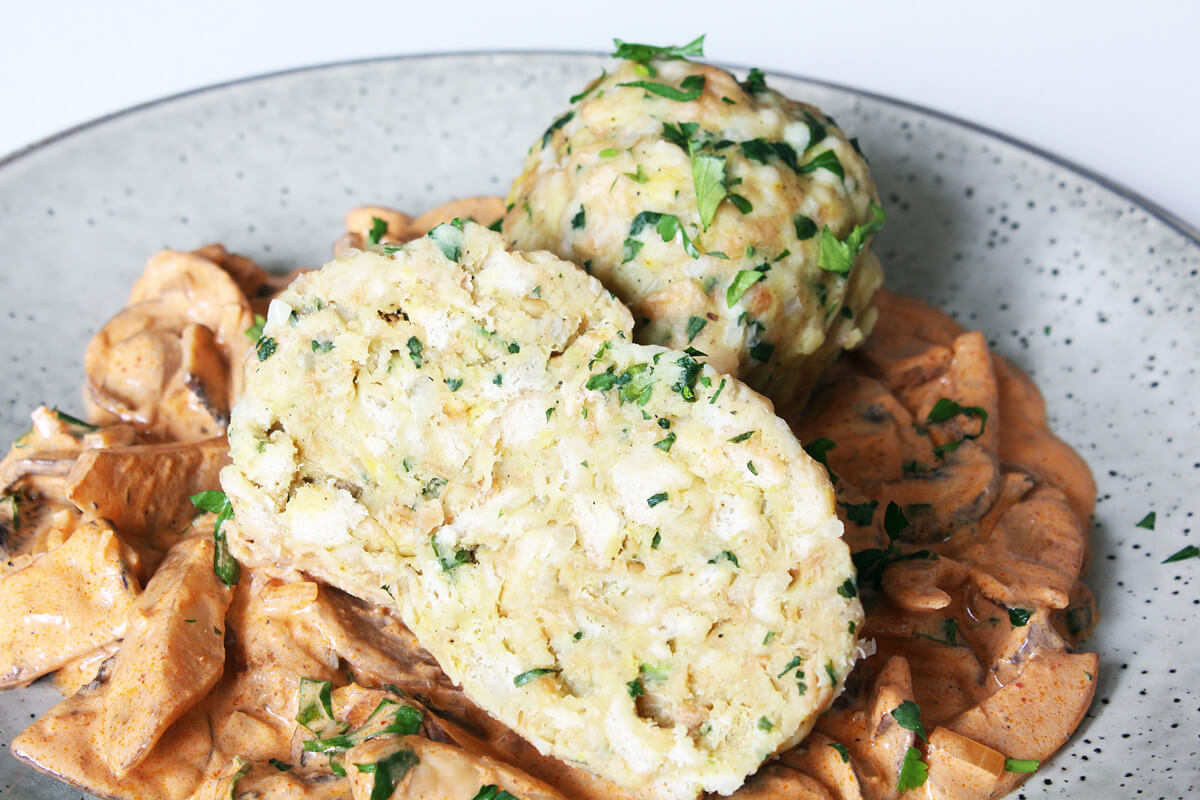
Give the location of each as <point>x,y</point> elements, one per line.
<point>1110,86</point>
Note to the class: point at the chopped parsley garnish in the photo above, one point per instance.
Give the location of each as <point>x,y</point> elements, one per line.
<point>556,125</point>
<point>688,376</point>
<point>744,279</point>
<point>379,229</point>
<point>756,150</point>
<point>632,248</point>
<point>681,134</point>
<point>265,348</point>
<point>872,561</point>
<point>805,227</point>
<point>1021,765</point>
<point>848,589</point>
<point>841,751</point>
<point>493,792</point>
<point>575,98</point>
<point>513,347</point>
<point>635,688</point>
<point>315,708</point>
<point>741,437</point>
<point>498,379</point>
<point>831,672</point>
<point>750,466</point>
<point>497,225</point>
<point>645,53</point>
<point>388,771</point>
<point>762,351</point>
<point>717,394</point>
<point>696,81</point>
<point>656,498</point>
<point>577,635</point>
<point>415,349</point>
<point>664,90</point>
<point>755,82</point>
<point>945,409</point>
<point>819,449</point>
<point>1019,617</point>
<point>913,772</point>
<point>860,514</point>
<point>225,565</point>
<point>826,159</point>
<point>254,332</point>
<point>742,204</point>
<point>608,152</point>
<point>725,555</point>
<point>667,225</point>
<point>282,766</point>
<point>456,383</point>
<point>321,347</point>
<point>389,717</point>
<point>908,716</point>
<point>765,724</point>
<point>791,665</point>
<point>665,443</point>
<point>433,488</point>
<point>532,674</point>
<point>449,238</point>
<point>708,175</point>
<point>838,256</point>
<point>656,541</point>
<point>75,422</point>
<point>1191,551</point>
<point>579,220</point>
<point>948,635</point>
<point>1147,521</point>
<point>637,177</point>
<point>694,326</point>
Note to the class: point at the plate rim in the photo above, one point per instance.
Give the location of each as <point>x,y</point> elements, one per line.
<point>1188,231</point>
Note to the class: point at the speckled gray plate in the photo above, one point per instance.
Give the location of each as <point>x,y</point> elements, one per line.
<point>1091,290</point>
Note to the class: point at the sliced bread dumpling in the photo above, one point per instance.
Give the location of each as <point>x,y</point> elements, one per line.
<point>627,557</point>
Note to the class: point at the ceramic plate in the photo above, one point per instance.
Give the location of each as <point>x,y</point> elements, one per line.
<point>1091,290</point>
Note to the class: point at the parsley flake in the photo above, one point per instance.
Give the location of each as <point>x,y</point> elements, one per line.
<point>908,716</point>
<point>665,443</point>
<point>532,674</point>
<point>694,326</point>
<point>645,53</point>
<point>755,82</point>
<point>265,348</point>
<point>708,176</point>
<point>449,238</point>
<point>841,751</point>
<point>414,350</point>
<point>913,772</point>
<point>656,498</point>
<point>579,220</point>
<point>1021,765</point>
<point>1191,551</point>
<point>1019,617</point>
<point>1147,522</point>
<point>379,229</point>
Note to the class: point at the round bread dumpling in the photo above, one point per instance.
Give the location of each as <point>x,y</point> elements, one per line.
<point>726,216</point>
<point>615,550</point>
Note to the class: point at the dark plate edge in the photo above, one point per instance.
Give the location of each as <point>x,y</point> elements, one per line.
<point>1185,229</point>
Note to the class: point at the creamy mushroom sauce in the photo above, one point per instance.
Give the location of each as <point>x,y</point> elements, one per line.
<point>968,515</point>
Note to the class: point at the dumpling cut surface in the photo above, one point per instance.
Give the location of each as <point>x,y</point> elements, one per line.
<point>627,558</point>
<point>726,216</point>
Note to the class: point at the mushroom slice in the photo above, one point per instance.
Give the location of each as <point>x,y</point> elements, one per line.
<point>135,364</point>
<point>822,759</point>
<point>485,210</point>
<point>778,782</point>
<point>205,373</point>
<point>375,645</point>
<point>419,769</point>
<point>957,492</point>
<point>245,779</point>
<point>1032,554</point>
<point>961,768</point>
<point>172,655</point>
<point>63,744</point>
<point>145,490</point>
<point>85,669</point>
<point>1034,714</point>
<point>64,604</point>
